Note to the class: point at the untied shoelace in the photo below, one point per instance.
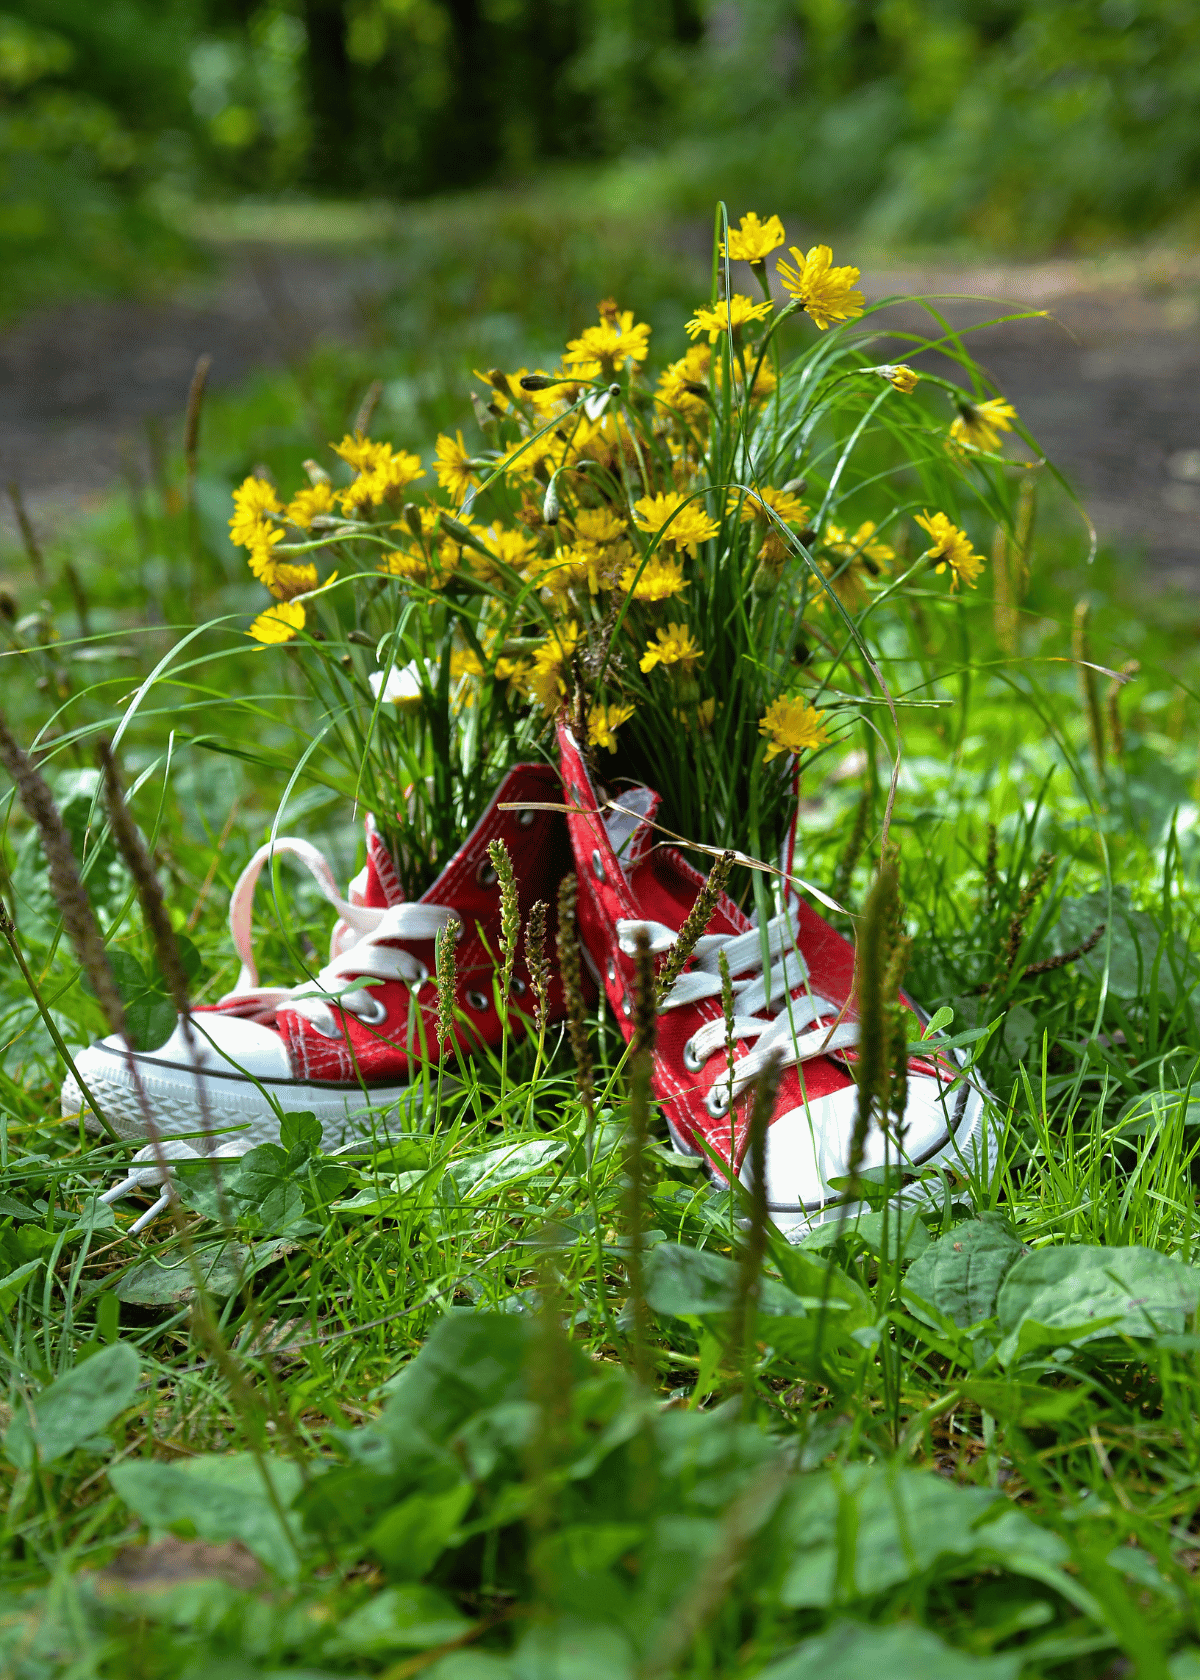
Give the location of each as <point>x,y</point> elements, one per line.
<point>362,948</point>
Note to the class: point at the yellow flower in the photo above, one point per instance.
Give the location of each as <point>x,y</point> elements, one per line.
<point>826,293</point>
<point>691,369</point>
<point>278,624</point>
<point>598,525</point>
<point>863,543</point>
<point>753,240</point>
<point>903,377</point>
<point>675,647</point>
<point>684,525</point>
<point>252,500</point>
<point>603,723</point>
<point>465,662</point>
<point>413,567</point>
<point>514,548</point>
<point>715,320</point>
<point>784,503</point>
<point>952,548</point>
<point>305,503</point>
<point>545,682</point>
<point>661,577</point>
<point>384,481</point>
<point>610,346</point>
<point>979,424</point>
<point>452,463</point>
<point>791,726</point>
<point>359,452</point>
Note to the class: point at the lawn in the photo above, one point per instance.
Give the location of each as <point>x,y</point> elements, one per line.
<point>524,1392</point>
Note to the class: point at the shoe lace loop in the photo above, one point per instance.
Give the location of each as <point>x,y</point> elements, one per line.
<point>777,1027</point>
<point>362,950</point>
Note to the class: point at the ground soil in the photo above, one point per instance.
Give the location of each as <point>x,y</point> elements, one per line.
<point>1107,380</point>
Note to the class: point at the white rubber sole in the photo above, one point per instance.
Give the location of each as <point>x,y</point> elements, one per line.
<point>182,1102</point>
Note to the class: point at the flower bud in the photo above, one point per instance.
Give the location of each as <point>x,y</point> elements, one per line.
<point>540,382</point>
<point>551,509</point>
<point>499,382</point>
<point>412,518</point>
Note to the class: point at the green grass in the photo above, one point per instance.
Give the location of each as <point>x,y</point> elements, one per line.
<point>414,1402</point>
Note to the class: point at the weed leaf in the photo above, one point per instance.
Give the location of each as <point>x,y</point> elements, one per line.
<point>75,1409</point>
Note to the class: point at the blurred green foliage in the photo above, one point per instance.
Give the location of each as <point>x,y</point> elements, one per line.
<point>1020,123</point>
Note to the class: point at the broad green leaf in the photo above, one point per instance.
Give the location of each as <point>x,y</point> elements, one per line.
<point>1023,1403</point>
<point>961,1273</point>
<point>856,1531</point>
<point>911,1241</point>
<point>223,1265</point>
<point>411,1537</point>
<point>402,1618</point>
<point>470,1363</point>
<point>1123,1291</point>
<point>218,1496</point>
<point>1154,1109</point>
<point>692,1282</point>
<point>77,1407</point>
<point>12,1285</point>
<point>851,1651</point>
<point>479,1175</point>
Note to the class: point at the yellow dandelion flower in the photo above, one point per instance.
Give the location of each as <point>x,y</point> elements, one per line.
<point>661,577</point>
<point>826,293</point>
<point>791,726</point>
<point>314,499</point>
<point>752,240</point>
<point>361,452</point>
<point>512,671</point>
<point>598,525</point>
<point>979,424</point>
<point>686,525</point>
<point>903,377</point>
<point>465,662</point>
<point>674,646</point>
<point>253,499</point>
<point>951,547</point>
<point>603,723</point>
<point>546,682</point>
<point>715,320</point>
<point>784,503</point>
<point>513,548</point>
<point>412,567</point>
<point>278,624</point>
<point>614,344</point>
<point>863,544</point>
<point>452,463</point>
<point>674,380</point>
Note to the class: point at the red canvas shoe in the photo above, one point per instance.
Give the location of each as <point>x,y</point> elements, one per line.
<point>627,883</point>
<point>350,1044</point>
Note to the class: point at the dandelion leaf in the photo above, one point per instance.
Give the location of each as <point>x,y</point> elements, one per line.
<point>960,1275</point>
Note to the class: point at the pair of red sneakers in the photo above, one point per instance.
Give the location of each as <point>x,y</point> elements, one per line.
<point>352,1044</point>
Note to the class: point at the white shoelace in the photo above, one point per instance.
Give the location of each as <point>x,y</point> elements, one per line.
<point>362,951</point>
<point>778,1029</point>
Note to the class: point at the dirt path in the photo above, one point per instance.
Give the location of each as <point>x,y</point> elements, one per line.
<point>1109,381</point>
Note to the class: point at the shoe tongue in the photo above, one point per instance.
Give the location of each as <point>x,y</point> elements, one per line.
<point>630,830</point>
<point>377,885</point>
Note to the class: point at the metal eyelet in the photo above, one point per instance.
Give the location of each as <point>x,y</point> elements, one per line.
<point>627,1007</point>
<point>597,866</point>
<point>717,1100</point>
<point>526,819</point>
<point>691,1060</point>
<point>421,979</point>
<point>478,1001</point>
<point>518,987</point>
<point>612,969</point>
<point>485,875</point>
<point>377,1016</point>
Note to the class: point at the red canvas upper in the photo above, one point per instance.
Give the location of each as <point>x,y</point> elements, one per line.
<point>393,1051</point>
<point>658,884</point>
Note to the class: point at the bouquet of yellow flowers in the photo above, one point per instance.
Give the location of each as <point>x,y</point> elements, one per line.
<point>696,564</point>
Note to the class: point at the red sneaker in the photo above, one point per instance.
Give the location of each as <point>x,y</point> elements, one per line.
<point>628,883</point>
<point>351,1043</point>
